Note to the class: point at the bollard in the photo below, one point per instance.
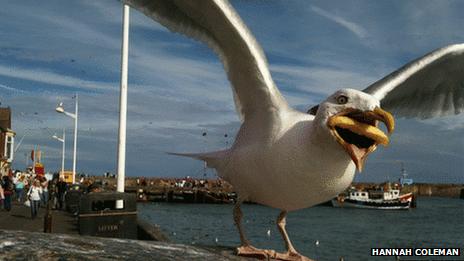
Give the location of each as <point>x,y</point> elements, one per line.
<point>48,219</point>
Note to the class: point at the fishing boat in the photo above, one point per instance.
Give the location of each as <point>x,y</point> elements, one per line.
<point>383,196</point>
<point>374,199</point>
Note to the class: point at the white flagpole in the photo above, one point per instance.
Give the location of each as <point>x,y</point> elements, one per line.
<point>123,103</point>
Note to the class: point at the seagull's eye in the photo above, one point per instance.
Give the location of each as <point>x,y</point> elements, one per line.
<point>342,99</point>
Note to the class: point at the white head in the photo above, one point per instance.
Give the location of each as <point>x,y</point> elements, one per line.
<point>351,117</point>
<point>344,99</point>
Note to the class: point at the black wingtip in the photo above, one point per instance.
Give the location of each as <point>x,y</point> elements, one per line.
<point>313,110</point>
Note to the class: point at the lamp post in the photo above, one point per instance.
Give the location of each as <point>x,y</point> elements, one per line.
<point>74,115</point>
<point>62,140</point>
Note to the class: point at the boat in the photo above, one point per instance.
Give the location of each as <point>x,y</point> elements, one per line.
<point>383,196</point>
<point>377,198</point>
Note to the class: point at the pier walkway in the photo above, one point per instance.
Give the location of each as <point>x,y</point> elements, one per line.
<point>19,218</point>
<point>21,238</point>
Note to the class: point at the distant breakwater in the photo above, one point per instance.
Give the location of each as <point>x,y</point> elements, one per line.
<point>437,190</point>
<point>178,190</point>
<point>219,191</point>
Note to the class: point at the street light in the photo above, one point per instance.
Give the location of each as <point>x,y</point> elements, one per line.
<point>60,109</point>
<point>62,140</point>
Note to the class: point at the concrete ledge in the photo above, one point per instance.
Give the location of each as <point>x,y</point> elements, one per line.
<point>147,231</point>
<point>21,245</point>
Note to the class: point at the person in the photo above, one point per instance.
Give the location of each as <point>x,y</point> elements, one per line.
<point>53,192</point>
<point>34,194</point>
<point>8,188</point>
<point>26,183</point>
<point>62,187</point>
<point>2,197</point>
<point>20,188</point>
<point>44,184</point>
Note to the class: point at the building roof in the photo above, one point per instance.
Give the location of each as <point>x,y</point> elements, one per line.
<point>5,118</point>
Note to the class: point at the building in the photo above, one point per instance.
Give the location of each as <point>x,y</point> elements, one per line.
<point>6,136</point>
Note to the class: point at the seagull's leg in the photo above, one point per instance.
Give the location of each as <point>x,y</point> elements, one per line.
<point>291,254</point>
<point>281,222</point>
<point>238,222</point>
<point>246,249</point>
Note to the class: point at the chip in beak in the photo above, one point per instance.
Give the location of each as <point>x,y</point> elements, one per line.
<point>357,132</point>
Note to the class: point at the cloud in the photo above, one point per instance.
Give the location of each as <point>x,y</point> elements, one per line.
<point>10,89</point>
<point>352,27</point>
<point>48,77</point>
<point>318,80</point>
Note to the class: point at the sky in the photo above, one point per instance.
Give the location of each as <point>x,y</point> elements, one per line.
<point>51,50</point>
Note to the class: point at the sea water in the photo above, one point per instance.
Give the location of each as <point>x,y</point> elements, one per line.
<point>322,233</point>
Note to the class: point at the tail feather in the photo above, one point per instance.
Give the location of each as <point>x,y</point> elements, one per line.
<point>212,159</point>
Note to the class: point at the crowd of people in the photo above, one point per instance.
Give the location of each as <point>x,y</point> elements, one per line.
<point>32,190</point>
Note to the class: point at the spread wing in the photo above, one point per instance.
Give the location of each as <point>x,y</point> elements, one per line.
<point>216,23</point>
<point>430,86</point>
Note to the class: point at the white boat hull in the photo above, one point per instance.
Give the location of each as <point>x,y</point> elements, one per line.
<point>402,202</point>
<point>346,204</point>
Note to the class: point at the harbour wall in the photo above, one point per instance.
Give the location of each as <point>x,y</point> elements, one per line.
<point>437,190</point>
<point>219,191</point>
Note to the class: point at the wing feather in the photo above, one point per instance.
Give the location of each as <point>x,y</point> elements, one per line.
<point>430,86</point>
<point>217,24</point>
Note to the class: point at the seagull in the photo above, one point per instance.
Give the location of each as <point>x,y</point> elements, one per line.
<point>290,160</point>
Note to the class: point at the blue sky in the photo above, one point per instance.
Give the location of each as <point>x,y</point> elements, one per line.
<point>178,90</point>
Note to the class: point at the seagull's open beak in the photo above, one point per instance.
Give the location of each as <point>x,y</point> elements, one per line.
<point>357,132</point>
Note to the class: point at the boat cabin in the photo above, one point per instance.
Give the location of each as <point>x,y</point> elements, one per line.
<point>359,195</point>
<point>392,194</point>
<point>374,195</point>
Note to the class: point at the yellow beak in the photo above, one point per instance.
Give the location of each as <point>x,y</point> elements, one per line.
<point>357,132</point>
